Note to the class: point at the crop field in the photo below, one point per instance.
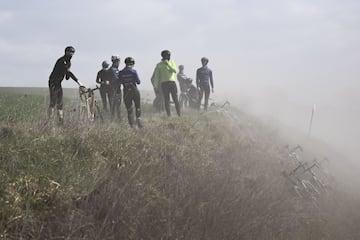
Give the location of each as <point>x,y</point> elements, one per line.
<point>216,175</point>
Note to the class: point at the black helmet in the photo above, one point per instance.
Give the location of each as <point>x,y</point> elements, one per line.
<point>129,61</point>
<point>115,58</point>
<point>105,64</point>
<point>165,53</point>
<point>204,59</point>
<point>69,49</point>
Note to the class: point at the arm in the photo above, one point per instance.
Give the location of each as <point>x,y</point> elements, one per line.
<point>98,79</point>
<point>137,80</point>
<point>197,78</point>
<point>72,76</point>
<point>155,78</point>
<point>120,78</point>
<point>172,66</point>
<point>211,80</point>
<point>69,74</point>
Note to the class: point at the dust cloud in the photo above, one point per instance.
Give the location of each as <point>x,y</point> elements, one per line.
<point>334,130</point>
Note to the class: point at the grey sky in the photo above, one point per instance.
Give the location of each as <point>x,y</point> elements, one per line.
<point>295,51</point>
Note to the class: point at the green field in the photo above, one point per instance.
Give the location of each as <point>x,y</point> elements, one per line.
<point>214,175</point>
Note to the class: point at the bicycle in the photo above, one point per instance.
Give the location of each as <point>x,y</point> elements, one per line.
<point>314,179</point>
<point>303,188</point>
<point>292,152</point>
<point>225,105</point>
<point>89,110</point>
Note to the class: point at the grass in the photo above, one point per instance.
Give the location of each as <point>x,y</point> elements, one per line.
<point>202,176</point>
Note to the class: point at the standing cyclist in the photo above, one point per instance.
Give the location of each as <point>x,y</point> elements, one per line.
<point>181,77</point>
<point>129,79</point>
<point>164,77</point>
<point>115,88</point>
<point>102,78</point>
<point>204,78</point>
<point>61,70</point>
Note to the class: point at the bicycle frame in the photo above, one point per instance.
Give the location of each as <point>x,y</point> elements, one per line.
<point>89,106</point>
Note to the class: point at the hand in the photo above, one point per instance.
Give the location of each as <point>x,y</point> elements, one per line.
<point>107,82</point>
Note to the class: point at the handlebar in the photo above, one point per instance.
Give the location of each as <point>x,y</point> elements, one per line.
<point>300,165</point>
<point>88,90</point>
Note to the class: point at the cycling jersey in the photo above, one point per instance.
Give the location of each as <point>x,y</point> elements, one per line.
<point>164,71</point>
<point>128,77</point>
<point>114,79</point>
<point>102,76</point>
<point>61,70</point>
<point>204,76</point>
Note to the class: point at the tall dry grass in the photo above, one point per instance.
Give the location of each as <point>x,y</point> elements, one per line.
<point>202,176</point>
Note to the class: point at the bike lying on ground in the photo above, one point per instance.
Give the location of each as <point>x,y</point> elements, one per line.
<point>302,180</point>
<point>225,105</point>
<point>89,110</point>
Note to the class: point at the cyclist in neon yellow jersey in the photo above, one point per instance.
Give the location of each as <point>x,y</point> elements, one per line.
<point>164,80</point>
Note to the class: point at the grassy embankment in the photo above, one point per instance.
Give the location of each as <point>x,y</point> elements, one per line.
<point>207,176</point>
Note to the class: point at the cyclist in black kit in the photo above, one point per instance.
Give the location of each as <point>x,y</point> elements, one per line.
<point>102,78</point>
<point>204,78</point>
<point>61,70</point>
<point>129,79</point>
<point>115,88</point>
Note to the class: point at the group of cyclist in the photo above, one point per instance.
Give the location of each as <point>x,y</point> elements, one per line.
<point>116,85</point>
<point>194,94</point>
<point>111,79</point>
<point>163,80</point>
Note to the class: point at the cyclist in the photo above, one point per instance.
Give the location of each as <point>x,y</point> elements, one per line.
<point>102,78</point>
<point>193,94</point>
<point>115,88</point>
<point>181,77</point>
<point>60,70</point>
<point>204,78</point>
<point>164,77</point>
<point>129,78</point>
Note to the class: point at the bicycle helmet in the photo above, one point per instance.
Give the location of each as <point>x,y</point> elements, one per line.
<point>165,54</point>
<point>105,64</point>
<point>204,59</point>
<point>181,67</point>
<point>129,61</point>
<point>115,58</point>
<point>70,49</point>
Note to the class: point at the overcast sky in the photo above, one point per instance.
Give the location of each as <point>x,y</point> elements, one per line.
<point>298,51</point>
